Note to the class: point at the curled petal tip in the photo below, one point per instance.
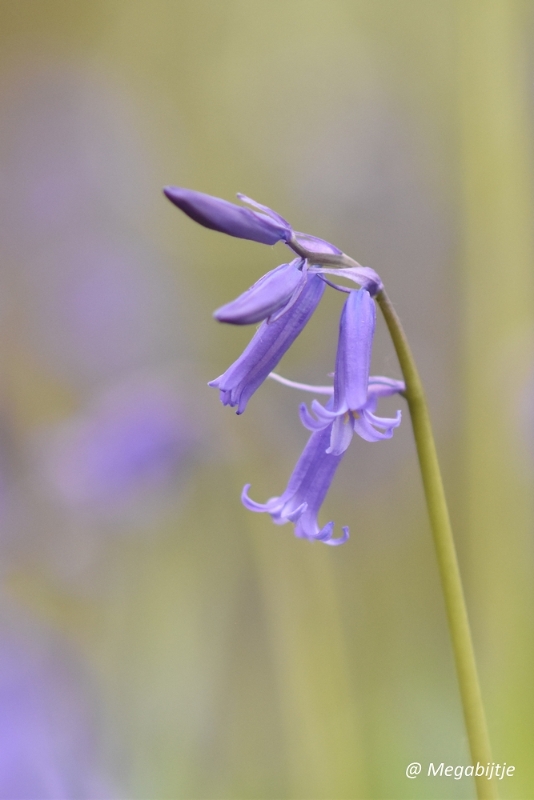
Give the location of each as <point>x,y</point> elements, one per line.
<point>248,503</point>
<point>341,540</point>
<point>310,422</point>
<point>325,534</point>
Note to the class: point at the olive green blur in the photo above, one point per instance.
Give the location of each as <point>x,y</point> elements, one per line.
<point>233,661</point>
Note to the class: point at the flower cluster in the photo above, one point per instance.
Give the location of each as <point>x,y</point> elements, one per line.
<point>283,301</point>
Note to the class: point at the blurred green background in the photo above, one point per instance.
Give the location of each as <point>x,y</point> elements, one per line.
<point>215,655</point>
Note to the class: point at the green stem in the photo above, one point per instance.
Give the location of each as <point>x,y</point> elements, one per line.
<point>462,645</point>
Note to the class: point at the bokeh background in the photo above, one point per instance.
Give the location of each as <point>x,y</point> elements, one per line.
<point>156,639</point>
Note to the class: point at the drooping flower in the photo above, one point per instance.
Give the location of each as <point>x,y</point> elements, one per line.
<point>353,402</point>
<point>272,339</point>
<point>306,490</point>
<point>315,469</point>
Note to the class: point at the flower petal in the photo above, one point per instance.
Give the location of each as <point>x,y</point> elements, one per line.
<point>384,422</point>
<point>313,532</point>
<point>325,414</point>
<point>340,539</point>
<point>353,358</point>
<point>341,435</point>
<point>310,422</point>
<point>225,217</point>
<point>364,426</point>
<point>266,296</point>
<point>365,430</point>
<point>271,506</point>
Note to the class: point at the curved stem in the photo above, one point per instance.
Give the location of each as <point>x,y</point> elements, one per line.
<point>464,656</point>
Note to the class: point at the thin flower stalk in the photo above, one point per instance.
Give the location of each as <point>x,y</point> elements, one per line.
<point>464,655</point>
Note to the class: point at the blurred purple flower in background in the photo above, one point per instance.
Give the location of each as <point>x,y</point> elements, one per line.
<point>134,439</point>
<point>91,302</point>
<point>92,294</point>
<point>49,748</point>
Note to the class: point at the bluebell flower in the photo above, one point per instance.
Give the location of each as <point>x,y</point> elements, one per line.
<point>272,339</point>
<point>315,469</point>
<point>354,403</point>
<point>283,301</point>
<point>306,490</point>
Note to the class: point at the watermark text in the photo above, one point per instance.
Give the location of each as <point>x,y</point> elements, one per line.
<point>491,770</point>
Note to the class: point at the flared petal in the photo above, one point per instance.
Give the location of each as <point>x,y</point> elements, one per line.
<point>353,358</point>
<point>271,506</point>
<point>365,430</point>
<point>310,422</point>
<point>388,423</point>
<point>322,413</point>
<point>271,293</point>
<point>341,435</point>
<point>364,426</point>
<point>334,542</point>
<point>225,217</point>
<point>268,345</point>
<point>308,529</point>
